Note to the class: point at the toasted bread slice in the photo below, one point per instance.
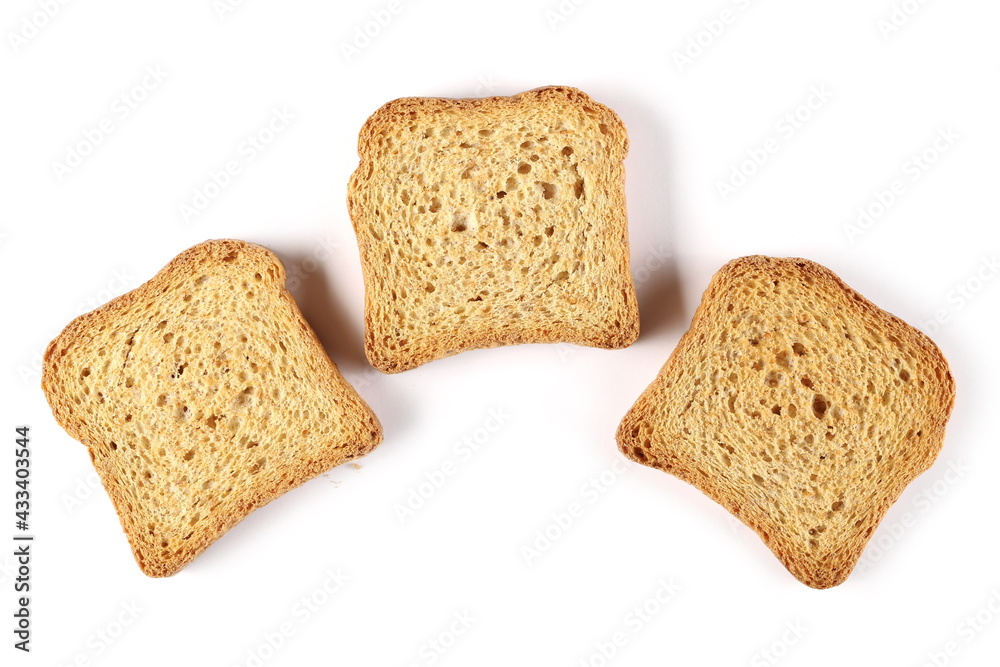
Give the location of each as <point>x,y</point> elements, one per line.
<point>797,405</point>
<point>488,222</point>
<point>202,395</point>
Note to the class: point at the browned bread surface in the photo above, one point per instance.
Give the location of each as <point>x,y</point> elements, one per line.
<point>494,221</point>
<point>201,396</point>
<point>799,406</point>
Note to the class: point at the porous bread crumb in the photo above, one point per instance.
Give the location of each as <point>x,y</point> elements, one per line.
<point>488,222</point>
<point>799,406</point>
<point>201,396</point>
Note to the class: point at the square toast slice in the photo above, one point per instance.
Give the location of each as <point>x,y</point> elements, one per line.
<point>799,406</point>
<point>494,221</point>
<point>201,396</point>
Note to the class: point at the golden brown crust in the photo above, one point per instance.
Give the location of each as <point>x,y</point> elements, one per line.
<point>180,390</point>
<point>489,304</point>
<point>804,410</point>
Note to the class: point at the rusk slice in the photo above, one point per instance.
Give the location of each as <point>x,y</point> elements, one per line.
<point>488,222</point>
<point>201,396</point>
<point>797,405</point>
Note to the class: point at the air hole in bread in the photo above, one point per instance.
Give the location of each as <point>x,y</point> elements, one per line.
<point>819,406</point>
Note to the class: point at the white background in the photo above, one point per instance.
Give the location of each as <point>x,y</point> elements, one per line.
<point>113,221</point>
